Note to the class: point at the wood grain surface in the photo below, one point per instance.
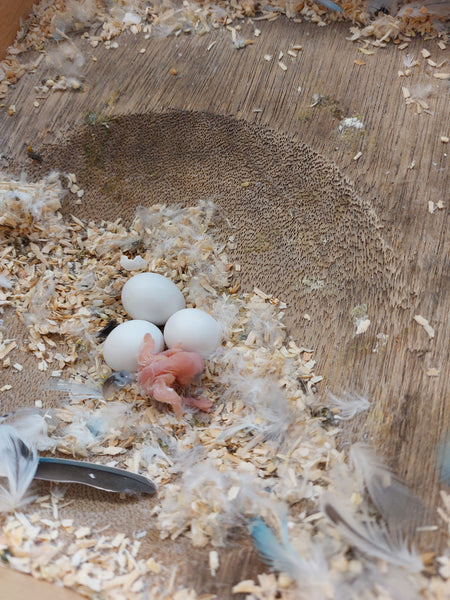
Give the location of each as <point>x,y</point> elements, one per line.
<point>11,16</point>
<point>403,166</point>
<point>17,586</point>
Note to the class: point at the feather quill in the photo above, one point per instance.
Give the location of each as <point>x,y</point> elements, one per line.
<point>18,464</point>
<point>32,426</point>
<point>371,538</point>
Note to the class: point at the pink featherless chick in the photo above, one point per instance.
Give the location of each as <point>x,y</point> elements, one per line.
<point>159,372</point>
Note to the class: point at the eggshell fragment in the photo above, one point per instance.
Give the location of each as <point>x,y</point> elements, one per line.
<point>121,347</point>
<point>194,330</point>
<point>151,297</point>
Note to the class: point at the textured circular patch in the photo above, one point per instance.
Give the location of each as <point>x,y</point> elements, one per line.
<point>298,224</point>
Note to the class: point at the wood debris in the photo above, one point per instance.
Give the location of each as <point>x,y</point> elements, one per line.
<point>425,324</point>
<point>444,76</point>
<point>192,17</point>
<point>433,372</point>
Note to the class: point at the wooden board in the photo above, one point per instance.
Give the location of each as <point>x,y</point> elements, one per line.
<point>16,586</point>
<point>11,16</point>
<point>403,166</point>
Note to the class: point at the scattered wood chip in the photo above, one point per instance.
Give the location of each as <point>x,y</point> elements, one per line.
<point>425,53</point>
<point>444,139</point>
<point>406,93</point>
<point>425,324</point>
<point>441,75</point>
<point>282,65</point>
<point>362,325</point>
<point>357,155</point>
<point>246,587</point>
<point>433,372</point>
<point>6,349</point>
<point>213,562</point>
<point>359,62</point>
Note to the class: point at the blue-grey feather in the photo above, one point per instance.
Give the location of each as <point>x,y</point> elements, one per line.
<point>330,5</point>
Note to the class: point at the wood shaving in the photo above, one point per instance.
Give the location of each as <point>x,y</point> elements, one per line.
<point>55,20</point>
<point>433,372</point>
<point>425,324</point>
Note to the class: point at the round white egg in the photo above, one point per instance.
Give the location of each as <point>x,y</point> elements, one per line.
<point>193,329</point>
<point>151,297</point>
<point>121,347</point>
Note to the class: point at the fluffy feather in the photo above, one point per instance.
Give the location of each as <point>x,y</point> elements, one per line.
<point>77,391</point>
<point>32,427</point>
<point>268,415</point>
<point>371,538</point>
<point>311,575</point>
<point>82,429</point>
<point>18,465</point>
<point>279,555</point>
<point>348,406</point>
<point>396,503</point>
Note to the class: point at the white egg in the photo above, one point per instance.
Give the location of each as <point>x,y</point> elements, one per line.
<point>151,297</point>
<point>121,347</point>
<point>194,330</point>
